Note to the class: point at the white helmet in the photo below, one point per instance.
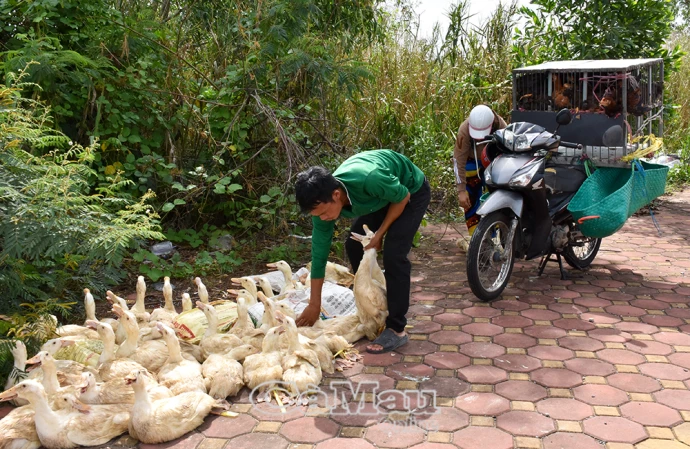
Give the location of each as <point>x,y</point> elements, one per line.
<point>481,119</point>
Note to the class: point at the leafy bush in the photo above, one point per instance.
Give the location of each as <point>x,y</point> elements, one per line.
<point>57,236</point>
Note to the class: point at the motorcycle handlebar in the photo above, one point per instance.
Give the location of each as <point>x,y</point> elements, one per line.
<point>576,146</point>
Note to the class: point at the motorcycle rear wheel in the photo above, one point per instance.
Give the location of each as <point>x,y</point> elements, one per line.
<point>488,271</point>
<point>581,257</point>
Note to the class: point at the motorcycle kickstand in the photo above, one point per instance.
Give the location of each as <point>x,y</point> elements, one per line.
<point>542,264</point>
<point>564,275</point>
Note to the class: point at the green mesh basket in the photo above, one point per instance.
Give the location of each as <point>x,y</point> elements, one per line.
<point>611,195</point>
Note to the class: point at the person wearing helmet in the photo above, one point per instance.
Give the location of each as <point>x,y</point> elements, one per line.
<point>481,122</point>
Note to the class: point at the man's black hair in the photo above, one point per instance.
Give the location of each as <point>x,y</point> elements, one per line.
<point>315,185</point>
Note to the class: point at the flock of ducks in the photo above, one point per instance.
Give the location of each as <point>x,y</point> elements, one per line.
<point>139,377</point>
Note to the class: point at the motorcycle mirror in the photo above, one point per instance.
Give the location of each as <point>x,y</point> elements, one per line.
<point>564,117</point>
<point>613,137</point>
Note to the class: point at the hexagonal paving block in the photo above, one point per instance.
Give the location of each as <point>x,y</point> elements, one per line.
<point>651,414</point>
<point>446,419</point>
<point>615,429</point>
<point>424,310</point>
<point>309,430</point>
<point>545,332</point>
<point>254,440</point>
<point>635,383</point>
<point>561,440</point>
<point>620,356</point>
<point>371,382</point>
<point>565,409</point>
<point>222,427</point>
<point>590,367</point>
<point>678,399</point>
<point>511,321</point>
<point>648,347</point>
<point>447,360</point>
<point>540,314</point>
<point>515,340</point>
<point>673,338</point>
<point>682,432</point>
<point>625,310</point>
<point>590,302</point>
<point>529,424</point>
<point>487,404</point>
<point>396,436</point>
<point>452,319</point>
<point>556,378</point>
<point>567,308</point>
<point>574,324</point>
<point>550,353</point>
<point>345,443</point>
<point>445,387</point>
<point>481,312</point>
<point>482,329</point>
<point>521,390</point>
<point>482,374</point>
<point>649,304</point>
<point>665,371</point>
<point>517,363</point>
<point>610,335</point>
<point>416,372</point>
<point>450,338</point>
<point>188,441</point>
<point>680,359</point>
<point>423,327</point>
<point>357,414</point>
<point>600,318</point>
<point>662,320</point>
<point>636,328</point>
<point>482,438</point>
<point>482,350</point>
<point>271,412</point>
<point>414,347</point>
<point>580,343</point>
<point>386,359</point>
<point>600,395</point>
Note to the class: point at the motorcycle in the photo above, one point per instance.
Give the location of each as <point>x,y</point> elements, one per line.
<point>526,215</point>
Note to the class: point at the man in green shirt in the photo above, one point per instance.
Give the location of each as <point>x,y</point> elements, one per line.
<point>387,192</point>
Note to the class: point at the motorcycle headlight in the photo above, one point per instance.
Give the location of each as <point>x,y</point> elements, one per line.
<point>508,138</point>
<point>521,143</point>
<point>523,179</point>
<point>487,175</point>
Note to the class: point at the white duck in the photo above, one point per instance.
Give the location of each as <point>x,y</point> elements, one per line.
<point>187,304</point>
<point>17,428</point>
<point>370,289</point>
<point>109,367</point>
<point>67,370</point>
<point>301,366</point>
<point>202,290</point>
<point>167,313</point>
<point>212,342</point>
<point>65,429</point>
<point>113,299</point>
<point>139,306</point>
<point>18,372</point>
<point>244,294</point>
<point>248,284</point>
<point>50,382</point>
<point>165,419</point>
<point>90,308</point>
<point>244,327</point>
<point>223,373</point>
<point>117,391</point>
<point>265,286</point>
<point>264,369</point>
<point>290,283</point>
<point>177,373</point>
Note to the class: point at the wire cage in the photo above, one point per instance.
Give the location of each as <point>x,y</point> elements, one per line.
<point>615,102</point>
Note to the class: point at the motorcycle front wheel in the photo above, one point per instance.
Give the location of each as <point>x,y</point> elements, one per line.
<point>582,256</point>
<point>490,256</point>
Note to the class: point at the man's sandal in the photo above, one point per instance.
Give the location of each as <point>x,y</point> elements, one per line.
<point>389,341</point>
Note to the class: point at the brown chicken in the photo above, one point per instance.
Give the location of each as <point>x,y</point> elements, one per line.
<point>611,100</point>
<point>562,92</point>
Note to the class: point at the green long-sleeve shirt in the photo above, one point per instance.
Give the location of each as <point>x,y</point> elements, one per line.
<point>372,180</point>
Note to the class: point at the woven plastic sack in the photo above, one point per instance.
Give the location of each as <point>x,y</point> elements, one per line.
<point>335,301</point>
<point>191,325</point>
<point>85,352</point>
<point>611,195</point>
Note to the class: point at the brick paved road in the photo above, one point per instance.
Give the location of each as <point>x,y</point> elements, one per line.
<point>598,361</point>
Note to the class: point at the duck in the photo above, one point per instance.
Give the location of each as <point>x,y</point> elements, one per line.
<point>223,373</point>
<point>139,307</point>
<point>301,366</point>
<point>69,428</point>
<point>109,367</point>
<point>248,284</point>
<point>113,299</point>
<point>167,313</point>
<point>177,373</point>
<point>116,391</point>
<point>212,342</point>
<point>75,330</point>
<point>290,283</point>
<point>18,372</point>
<point>244,326</point>
<point>263,370</point>
<point>318,346</point>
<point>370,289</point>
<point>90,308</point>
<point>336,273</point>
<point>265,286</point>
<point>74,349</point>
<point>17,427</point>
<point>187,304</point>
<point>202,290</point>
<point>50,382</point>
<point>268,319</point>
<point>349,327</point>
<point>245,294</point>
<point>66,369</point>
<point>164,420</point>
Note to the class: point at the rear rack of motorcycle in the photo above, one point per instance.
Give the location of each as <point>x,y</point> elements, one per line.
<point>614,104</point>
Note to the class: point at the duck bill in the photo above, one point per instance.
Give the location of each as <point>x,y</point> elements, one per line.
<point>117,310</point>
<point>81,407</point>
<point>10,394</point>
<point>201,305</point>
<point>236,281</point>
<point>92,324</point>
<point>271,265</point>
